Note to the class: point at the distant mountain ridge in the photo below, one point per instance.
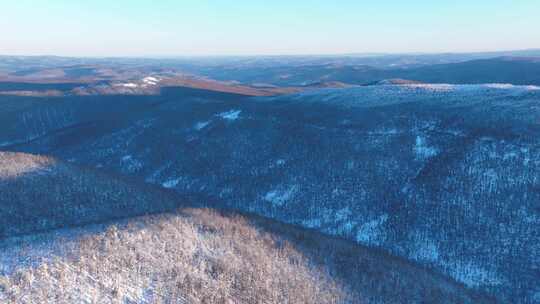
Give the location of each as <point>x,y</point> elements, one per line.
<point>513,70</point>
<point>278,75</point>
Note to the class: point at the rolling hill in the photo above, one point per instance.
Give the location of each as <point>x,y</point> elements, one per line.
<point>262,76</point>
<point>512,70</point>
<point>445,176</point>
<point>70,235</point>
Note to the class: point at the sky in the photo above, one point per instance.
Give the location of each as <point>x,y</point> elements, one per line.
<point>270,27</point>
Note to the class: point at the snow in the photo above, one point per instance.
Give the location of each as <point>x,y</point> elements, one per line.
<point>510,155</point>
<point>201,125</point>
<point>502,86</point>
<point>371,231</point>
<point>508,86</point>
<point>15,142</point>
<point>130,164</point>
<point>157,173</point>
<point>150,80</point>
<point>473,275</point>
<point>536,296</point>
<point>426,249</point>
<point>32,250</point>
<point>346,227</point>
<point>6,143</point>
<point>129,85</point>
<point>430,87</point>
<point>391,131</point>
<point>422,150</point>
<point>171,183</point>
<point>343,214</point>
<point>312,223</point>
<point>528,216</point>
<point>406,93</point>
<point>12,169</point>
<point>230,115</point>
<point>280,197</point>
<point>225,192</point>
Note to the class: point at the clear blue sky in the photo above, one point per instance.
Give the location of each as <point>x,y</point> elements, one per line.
<point>240,27</point>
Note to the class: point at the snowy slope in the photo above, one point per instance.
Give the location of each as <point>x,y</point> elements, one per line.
<point>443,175</point>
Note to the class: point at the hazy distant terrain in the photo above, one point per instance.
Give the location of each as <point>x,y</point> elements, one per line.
<point>442,176</point>
<point>269,75</point>
<point>514,70</point>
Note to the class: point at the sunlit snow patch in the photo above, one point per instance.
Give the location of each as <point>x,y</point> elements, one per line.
<point>431,87</point>
<point>129,85</point>
<point>280,197</point>
<point>511,87</point>
<point>130,164</point>
<point>171,183</point>
<point>422,150</point>
<point>502,86</point>
<point>150,80</point>
<point>201,125</point>
<point>230,115</point>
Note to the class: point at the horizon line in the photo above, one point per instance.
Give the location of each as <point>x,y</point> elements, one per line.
<point>348,54</point>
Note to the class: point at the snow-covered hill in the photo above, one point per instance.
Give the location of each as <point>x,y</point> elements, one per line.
<point>443,175</point>
<point>102,253</point>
